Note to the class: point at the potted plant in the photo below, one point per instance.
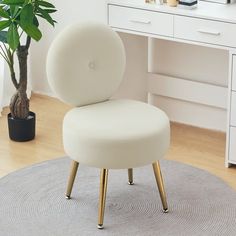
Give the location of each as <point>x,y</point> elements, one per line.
<point>19,24</point>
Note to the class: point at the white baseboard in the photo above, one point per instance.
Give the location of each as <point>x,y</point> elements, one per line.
<point>49,94</point>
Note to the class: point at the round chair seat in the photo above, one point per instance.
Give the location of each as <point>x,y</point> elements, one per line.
<point>116,134</point>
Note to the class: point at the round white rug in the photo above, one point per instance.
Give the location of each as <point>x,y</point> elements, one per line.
<point>32,202</point>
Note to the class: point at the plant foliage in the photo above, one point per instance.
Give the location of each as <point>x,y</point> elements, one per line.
<point>21,16</point>
<point>19,22</point>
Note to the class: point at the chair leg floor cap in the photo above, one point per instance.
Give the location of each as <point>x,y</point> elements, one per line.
<point>100,226</point>
<point>165,210</point>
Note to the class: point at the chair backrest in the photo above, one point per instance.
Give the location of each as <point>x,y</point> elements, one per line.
<point>86,63</point>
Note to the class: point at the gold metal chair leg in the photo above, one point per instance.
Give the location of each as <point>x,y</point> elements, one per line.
<point>102,198</point>
<point>74,168</point>
<point>160,185</point>
<point>130,176</point>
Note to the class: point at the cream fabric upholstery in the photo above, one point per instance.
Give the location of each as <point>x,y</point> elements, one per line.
<point>85,64</point>
<point>116,134</point>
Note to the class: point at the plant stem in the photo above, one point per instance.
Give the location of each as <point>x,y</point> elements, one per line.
<point>12,70</point>
<point>28,41</point>
<point>20,103</point>
<point>22,53</point>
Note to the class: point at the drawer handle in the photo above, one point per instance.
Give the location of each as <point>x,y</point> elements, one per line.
<point>209,32</point>
<point>146,22</point>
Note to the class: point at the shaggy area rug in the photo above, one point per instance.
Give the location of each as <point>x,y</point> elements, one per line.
<point>32,202</point>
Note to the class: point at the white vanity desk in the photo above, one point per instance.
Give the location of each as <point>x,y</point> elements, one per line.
<point>210,25</point>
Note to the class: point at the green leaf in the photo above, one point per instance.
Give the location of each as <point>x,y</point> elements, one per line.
<point>3,36</point>
<point>50,10</point>
<point>4,24</point>
<point>4,13</point>
<point>14,10</point>
<point>13,37</point>
<point>13,2</point>
<point>45,16</point>
<point>45,4</point>
<point>27,15</point>
<point>28,24</point>
<point>35,21</point>
<point>32,31</point>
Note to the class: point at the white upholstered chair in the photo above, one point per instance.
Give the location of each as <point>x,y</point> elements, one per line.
<point>85,66</point>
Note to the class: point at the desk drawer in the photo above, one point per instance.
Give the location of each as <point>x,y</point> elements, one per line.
<point>141,20</point>
<point>232,144</point>
<point>206,31</point>
<point>233,109</point>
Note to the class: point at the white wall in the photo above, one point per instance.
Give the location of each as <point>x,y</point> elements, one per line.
<point>198,63</point>
<point>134,85</point>
<point>8,87</point>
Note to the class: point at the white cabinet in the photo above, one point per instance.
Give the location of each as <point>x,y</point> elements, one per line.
<point>211,25</point>
<point>141,21</point>
<point>234,74</point>
<point>206,31</point>
<point>232,145</point>
<point>233,109</point>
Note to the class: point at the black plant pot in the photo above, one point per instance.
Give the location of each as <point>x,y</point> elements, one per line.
<point>21,130</point>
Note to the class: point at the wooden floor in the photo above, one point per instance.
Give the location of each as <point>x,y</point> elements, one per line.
<point>197,147</point>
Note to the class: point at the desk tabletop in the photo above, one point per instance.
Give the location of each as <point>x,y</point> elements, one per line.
<point>205,10</point>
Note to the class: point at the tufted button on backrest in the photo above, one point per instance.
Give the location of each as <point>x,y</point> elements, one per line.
<point>85,64</point>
